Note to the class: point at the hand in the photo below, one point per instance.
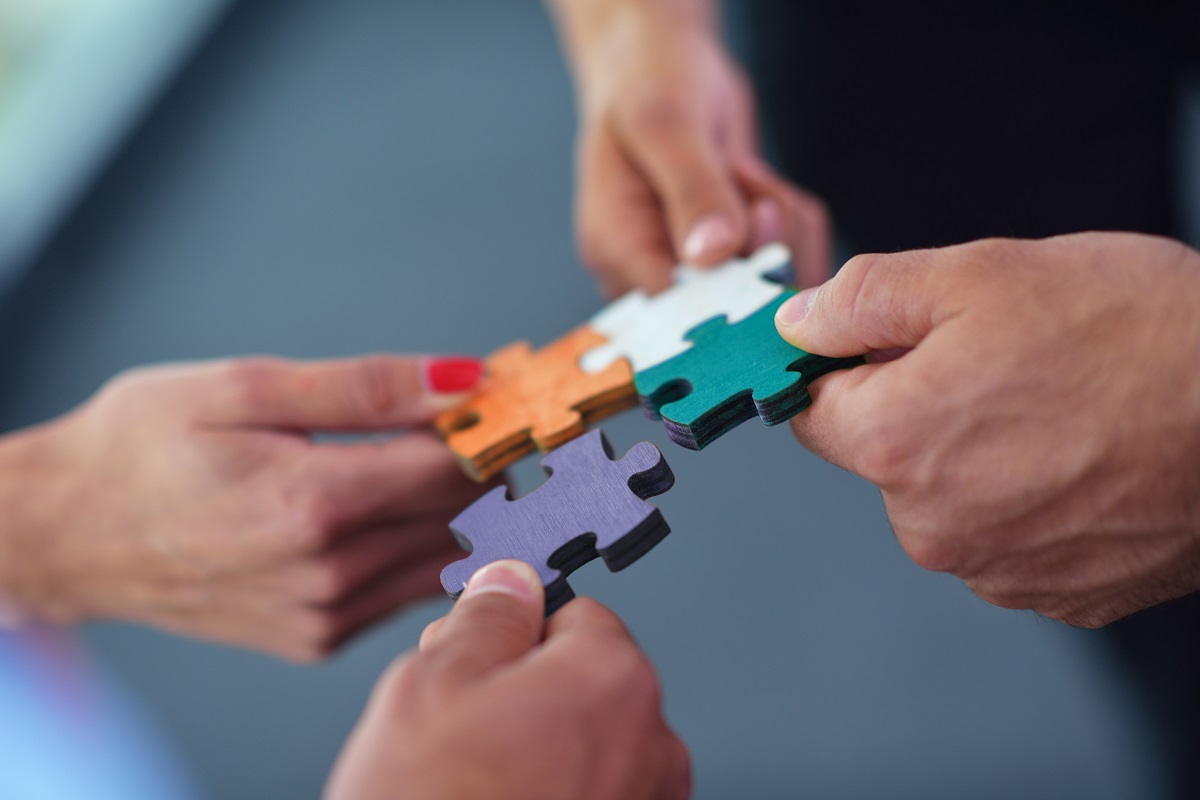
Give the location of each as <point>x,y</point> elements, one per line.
<point>191,497</point>
<point>500,703</point>
<point>1041,439</point>
<point>668,161</point>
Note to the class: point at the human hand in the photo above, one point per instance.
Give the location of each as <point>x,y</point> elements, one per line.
<point>501,703</point>
<point>191,497</point>
<point>668,165</point>
<point>1041,439</point>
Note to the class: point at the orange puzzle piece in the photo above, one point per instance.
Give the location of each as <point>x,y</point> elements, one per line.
<point>534,398</point>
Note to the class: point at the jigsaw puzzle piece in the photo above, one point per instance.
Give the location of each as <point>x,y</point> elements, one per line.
<point>534,399</point>
<point>590,506</point>
<point>649,330</point>
<point>732,373</point>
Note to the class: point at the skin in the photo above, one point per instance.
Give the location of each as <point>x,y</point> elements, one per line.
<point>1039,433</point>
<point>500,703</point>
<point>192,498</point>
<point>668,163</point>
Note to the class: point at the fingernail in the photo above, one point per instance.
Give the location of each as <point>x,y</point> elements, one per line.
<point>711,233</point>
<point>768,223</point>
<point>796,310</point>
<point>507,577</point>
<point>452,374</point>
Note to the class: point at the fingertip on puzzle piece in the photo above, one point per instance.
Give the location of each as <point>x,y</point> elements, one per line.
<point>590,506</point>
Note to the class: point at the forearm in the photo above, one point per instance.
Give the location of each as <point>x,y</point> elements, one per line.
<point>589,29</point>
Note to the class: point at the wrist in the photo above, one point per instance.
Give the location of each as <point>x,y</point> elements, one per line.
<point>32,500</point>
<point>596,34</point>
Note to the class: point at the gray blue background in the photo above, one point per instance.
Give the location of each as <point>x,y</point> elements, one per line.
<point>330,178</point>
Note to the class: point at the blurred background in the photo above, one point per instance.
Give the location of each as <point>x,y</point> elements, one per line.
<point>312,178</point>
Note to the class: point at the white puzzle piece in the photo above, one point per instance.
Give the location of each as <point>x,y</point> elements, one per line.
<point>649,330</point>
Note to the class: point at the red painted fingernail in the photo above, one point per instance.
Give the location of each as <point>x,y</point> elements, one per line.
<point>452,374</point>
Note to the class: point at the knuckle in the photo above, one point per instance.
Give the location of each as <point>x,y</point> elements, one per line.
<point>593,247</point>
<point>621,671</point>
<point>932,551</point>
<point>873,302</point>
<point>305,518</point>
<point>319,633</point>
<point>641,683</point>
<point>327,582</point>
<point>373,389</point>
<point>591,613</point>
<point>402,682</point>
<point>126,378</point>
<point>883,455</point>
<point>656,111</point>
<point>248,378</point>
<point>993,253</point>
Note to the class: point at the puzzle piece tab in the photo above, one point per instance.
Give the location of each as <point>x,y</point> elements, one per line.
<point>589,506</point>
<point>649,330</point>
<point>732,374</point>
<point>534,399</point>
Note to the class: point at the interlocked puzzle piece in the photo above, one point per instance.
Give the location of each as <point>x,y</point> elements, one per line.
<point>733,373</point>
<point>534,399</point>
<point>589,506</point>
<point>649,330</point>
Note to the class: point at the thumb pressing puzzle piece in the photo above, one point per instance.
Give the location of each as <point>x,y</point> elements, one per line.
<point>731,374</point>
<point>590,506</point>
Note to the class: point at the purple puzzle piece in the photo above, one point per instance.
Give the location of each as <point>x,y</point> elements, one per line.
<point>589,506</point>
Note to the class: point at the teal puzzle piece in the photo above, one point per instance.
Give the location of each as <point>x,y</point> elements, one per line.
<point>732,373</point>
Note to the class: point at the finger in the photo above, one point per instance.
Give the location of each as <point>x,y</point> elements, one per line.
<point>705,210</point>
<point>623,235</point>
<point>676,775</point>
<point>329,576</point>
<point>354,394</point>
<point>301,631</point>
<point>876,302</point>
<point>411,475</point>
<point>829,428</point>
<point>498,619</point>
<point>781,212</point>
<point>383,596</point>
<point>865,419</point>
<point>585,615</point>
<point>739,133</point>
<point>429,634</point>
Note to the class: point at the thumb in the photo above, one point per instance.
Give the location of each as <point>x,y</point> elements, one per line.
<point>875,302</point>
<point>353,394</point>
<point>498,618</point>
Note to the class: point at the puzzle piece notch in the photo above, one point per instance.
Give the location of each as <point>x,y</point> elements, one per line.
<point>533,399</point>
<point>733,373</point>
<point>649,330</point>
<point>591,505</point>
